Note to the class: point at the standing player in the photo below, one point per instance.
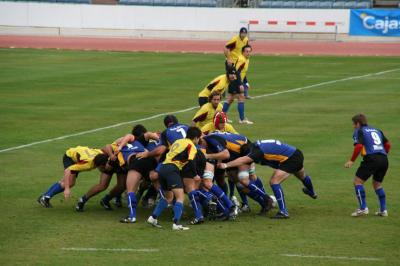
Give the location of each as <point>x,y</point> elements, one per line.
<point>219,84</point>
<point>206,113</point>
<point>220,123</point>
<point>75,160</point>
<point>285,159</point>
<point>233,48</point>
<point>374,148</point>
<point>182,153</point>
<point>242,66</point>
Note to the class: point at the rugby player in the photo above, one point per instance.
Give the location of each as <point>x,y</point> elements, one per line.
<point>374,147</point>
<point>233,48</point>
<point>242,66</point>
<point>220,123</point>
<point>207,112</point>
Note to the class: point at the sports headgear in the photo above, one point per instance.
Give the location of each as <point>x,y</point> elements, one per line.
<point>219,118</point>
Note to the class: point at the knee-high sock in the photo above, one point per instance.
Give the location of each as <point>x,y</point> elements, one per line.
<point>161,206</point>
<point>382,198</point>
<point>132,203</point>
<point>259,184</point>
<point>360,194</point>
<point>231,188</point>
<point>243,196</point>
<point>204,196</point>
<point>280,197</point>
<point>226,106</point>
<point>178,209</point>
<point>308,184</point>
<point>194,201</point>
<point>53,190</point>
<point>255,189</point>
<point>240,107</point>
<point>221,196</point>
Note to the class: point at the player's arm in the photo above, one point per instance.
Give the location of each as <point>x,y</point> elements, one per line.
<point>358,146</point>
<point>386,143</point>
<point>108,149</point>
<point>162,148</point>
<point>235,163</point>
<point>151,136</point>
<point>200,116</point>
<point>121,142</point>
<point>229,46</point>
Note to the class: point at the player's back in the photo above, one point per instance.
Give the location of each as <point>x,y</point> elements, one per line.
<point>235,45</point>
<point>372,140</point>
<point>232,141</point>
<point>275,150</point>
<point>173,133</point>
<point>129,149</point>
<point>181,151</point>
<point>82,153</point>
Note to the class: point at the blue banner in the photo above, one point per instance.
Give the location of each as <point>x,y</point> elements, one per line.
<point>375,22</point>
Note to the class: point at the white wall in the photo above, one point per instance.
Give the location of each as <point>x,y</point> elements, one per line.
<point>164,18</point>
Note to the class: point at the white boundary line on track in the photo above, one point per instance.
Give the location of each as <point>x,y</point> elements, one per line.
<point>112,249</point>
<point>194,107</point>
<point>331,257</point>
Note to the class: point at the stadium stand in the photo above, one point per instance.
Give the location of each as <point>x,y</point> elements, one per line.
<point>336,4</point>
<point>192,3</point>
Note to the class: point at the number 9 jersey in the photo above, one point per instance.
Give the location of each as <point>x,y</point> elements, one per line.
<point>372,139</point>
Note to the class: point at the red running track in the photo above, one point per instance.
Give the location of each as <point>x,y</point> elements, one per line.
<point>287,47</point>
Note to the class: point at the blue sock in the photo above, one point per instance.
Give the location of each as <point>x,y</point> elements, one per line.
<point>107,198</point>
<point>178,209</point>
<point>240,107</point>
<point>222,207</point>
<point>132,202</point>
<point>259,184</point>
<point>360,194</point>
<point>255,189</point>
<point>194,201</point>
<point>204,196</point>
<point>161,206</point>
<point>54,190</point>
<point>231,188</point>
<point>382,198</point>
<point>225,108</point>
<point>161,192</point>
<point>256,197</point>
<point>221,196</point>
<point>243,196</point>
<point>280,197</point>
<point>308,184</point>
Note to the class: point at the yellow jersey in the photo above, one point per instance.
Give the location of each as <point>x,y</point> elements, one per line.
<point>83,158</point>
<point>242,65</point>
<point>181,152</point>
<point>206,114</point>
<point>235,45</point>
<point>219,84</point>
<point>210,128</point>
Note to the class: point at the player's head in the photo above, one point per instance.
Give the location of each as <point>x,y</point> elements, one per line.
<point>231,73</point>
<point>170,120</point>
<point>243,33</point>
<point>245,149</point>
<point>220,120</point>
<point>138,130</point>
<point>359,120</point>
<point>246,50</point>
<point>100,162</point>
<point>214,99</point>
<point>194,134</point>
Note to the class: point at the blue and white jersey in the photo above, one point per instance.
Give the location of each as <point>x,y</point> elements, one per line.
<point>172,134</point>
<point>271,152</point>
<point>129,149</point>
<point>372,140</point>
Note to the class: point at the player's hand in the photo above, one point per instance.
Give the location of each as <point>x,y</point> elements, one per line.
<point>348,164</point>
<point>113,157</point>
<point>229,62</point>
<point>67,193</point>
<point>142,155</point>
<point>222,165</point>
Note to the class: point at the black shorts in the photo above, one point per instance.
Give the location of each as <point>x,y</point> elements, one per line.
<point>67,162</point>
<point>143,166</point>
<point>169,176</point>
<point>375,165</point>
<point>293,164</point>
<point>203,101</point>
<point>234,87</point>
<point>116,168</point>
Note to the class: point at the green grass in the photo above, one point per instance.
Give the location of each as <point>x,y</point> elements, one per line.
<point>48,93</point>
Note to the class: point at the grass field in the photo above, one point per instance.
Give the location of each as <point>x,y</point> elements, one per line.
<point>48,93</point>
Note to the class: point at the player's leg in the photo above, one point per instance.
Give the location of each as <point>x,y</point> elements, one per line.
<point>115,192</point>
<point>103,184</point>
<point>363,173</point>
<point>378,177</point>
<point>277,178</point>
<point>178,208</point>
<point>132,184</point>
<point>229,100</point>
<point>240,107</point>
<point>192,192</point>
<point>308,188</point>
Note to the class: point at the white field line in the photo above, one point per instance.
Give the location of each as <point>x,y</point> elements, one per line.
<point>331,257</point>
<point>112,249</point>
<point>192,108</point>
